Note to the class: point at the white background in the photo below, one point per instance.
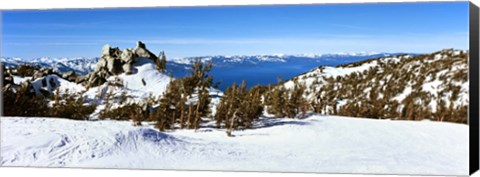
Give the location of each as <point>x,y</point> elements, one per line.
<point>48,4</point>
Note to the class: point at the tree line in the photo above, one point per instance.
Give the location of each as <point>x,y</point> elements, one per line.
<point>25,102</point>
<point>187,102</point>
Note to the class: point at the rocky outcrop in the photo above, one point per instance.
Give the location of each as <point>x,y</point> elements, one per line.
<point>70,76</point>
<point>35,73</point>
<point>114,62</point>
<point>127,57</point>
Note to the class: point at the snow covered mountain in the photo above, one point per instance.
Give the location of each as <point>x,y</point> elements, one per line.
<point>433,86</point>
<point>226,68</point>
<point>225,60</point>
<point>85,65</point>
<point>79,65</point>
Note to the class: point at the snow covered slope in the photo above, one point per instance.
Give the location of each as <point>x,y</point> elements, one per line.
<point>51,82</point>
<point>431,82</point>
<point>315,144</point>
<point>145,80</point>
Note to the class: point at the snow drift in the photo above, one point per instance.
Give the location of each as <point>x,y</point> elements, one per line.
<point>327,144</point>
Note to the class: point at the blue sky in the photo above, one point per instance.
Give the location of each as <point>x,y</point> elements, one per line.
<point>238,30</point>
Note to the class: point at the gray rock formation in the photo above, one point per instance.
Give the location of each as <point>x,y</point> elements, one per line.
<point>127,56</point>
<point>70,76</point>
<point>111,64</point>
<point>106,50</point>
<point>114,62</point>
<point>101,64</point>
<point>81,79</point>
<point>127,68</point>
<point>142,52</point>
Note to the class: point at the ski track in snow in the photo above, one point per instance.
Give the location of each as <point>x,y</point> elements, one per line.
<point>327,144</point>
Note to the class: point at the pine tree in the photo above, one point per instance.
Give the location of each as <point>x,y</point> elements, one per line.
<point>175,105</point>
<point>231,110</point>
<point>123,96</point>
<point>254,105</point>
<point>267,98</point>
<point>108,105</point>
<point>462,114</point>
<point>241,113</point>
<point>239,107</point>
<point>70,105</point>
<point>441,111</point>
<point>278,101</point>
<point>199,77</point>
<point>226,110</point>
<point>392,108</point>
<point>182,105</point>
<point>161,62</point>
<point>223,107</point>
<point>56,102</point>
<point>202,107</point>
<point>198,82</point>
<point>162,115</point>
<point>134,116</point>
<point>296,103</point>
<point>168,110</point>
<point>408,111</point>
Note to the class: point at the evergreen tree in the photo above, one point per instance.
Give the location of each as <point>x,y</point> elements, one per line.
<point>24,102</point>
<point>199,77</point>
<point>123,96</point>
<point>253,105</point>
<point>239,107</point>
<point>182,108</point>
<point>231,116</point>
<point>109,96</point>
<point>135,115</point>
<point>278,101</point>
<point>202,107</point>
<point>161,62</point>
<point>223,107</point>
<point>168,110</point>
<point>296,103</point>
<point>70,105</point>
<point>241,112</point>
<point>178,104</point>
<point>267,98</point>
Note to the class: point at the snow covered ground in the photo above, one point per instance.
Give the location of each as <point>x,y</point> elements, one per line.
<point>316,144</point>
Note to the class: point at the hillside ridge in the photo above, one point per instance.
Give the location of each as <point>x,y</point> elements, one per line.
<point>428,82</point>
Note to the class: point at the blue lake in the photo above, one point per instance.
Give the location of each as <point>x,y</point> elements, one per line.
<point>265,73</point>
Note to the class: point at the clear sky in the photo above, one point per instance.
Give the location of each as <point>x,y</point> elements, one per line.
<point>238,30</point>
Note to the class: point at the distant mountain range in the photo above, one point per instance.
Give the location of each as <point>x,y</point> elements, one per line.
<point>79,65</point>
<point>83,65</point>
<point>324,59</point>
